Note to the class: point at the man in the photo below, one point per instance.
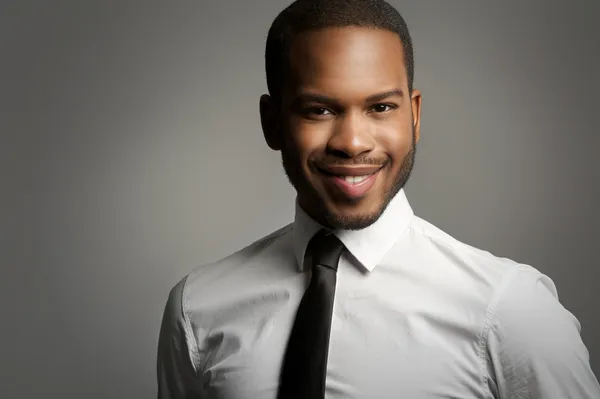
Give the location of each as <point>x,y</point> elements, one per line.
<point>358,297</point>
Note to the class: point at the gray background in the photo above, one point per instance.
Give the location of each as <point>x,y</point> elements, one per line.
<point>131,152</point>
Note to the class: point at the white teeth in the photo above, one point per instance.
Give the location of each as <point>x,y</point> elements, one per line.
<point>355,179</point>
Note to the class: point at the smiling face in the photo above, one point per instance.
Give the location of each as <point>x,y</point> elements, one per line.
<point>347,125</point>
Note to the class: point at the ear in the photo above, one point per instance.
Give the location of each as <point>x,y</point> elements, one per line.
<point>415,100</point>
<point>270,120</point>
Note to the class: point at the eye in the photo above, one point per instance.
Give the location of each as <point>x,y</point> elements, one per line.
<point>380,108</point>
<point>318,111</point>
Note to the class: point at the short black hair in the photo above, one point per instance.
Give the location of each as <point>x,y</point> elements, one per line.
<point>304,15</point>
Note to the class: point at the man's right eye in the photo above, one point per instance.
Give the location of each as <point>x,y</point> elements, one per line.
<point>317,111</point>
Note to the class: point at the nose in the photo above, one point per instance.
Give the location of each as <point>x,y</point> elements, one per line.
<point>352,136</point>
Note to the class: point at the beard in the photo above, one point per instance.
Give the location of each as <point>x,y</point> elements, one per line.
<point>315,207</point>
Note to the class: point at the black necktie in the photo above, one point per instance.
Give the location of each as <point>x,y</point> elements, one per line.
<point>305,362</point>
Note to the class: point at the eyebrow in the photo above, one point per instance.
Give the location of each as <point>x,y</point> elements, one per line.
<point>384,95</point>
<point>319,98</point>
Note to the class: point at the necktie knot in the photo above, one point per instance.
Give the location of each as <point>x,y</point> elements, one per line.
<point>325,249</point>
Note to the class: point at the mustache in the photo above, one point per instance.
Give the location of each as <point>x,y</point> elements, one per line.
<point>336,161</point>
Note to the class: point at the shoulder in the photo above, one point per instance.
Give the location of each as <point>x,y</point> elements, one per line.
<point>529,342</point>
<point>476,266</point>
<point>534,343</point>
<point>527,316</point>
<point>520,295</point>
<point>239,267</point>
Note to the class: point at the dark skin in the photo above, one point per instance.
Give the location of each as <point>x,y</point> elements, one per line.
<point>345,103</point>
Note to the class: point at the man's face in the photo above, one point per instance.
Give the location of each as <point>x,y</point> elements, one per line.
<point>347,125</point>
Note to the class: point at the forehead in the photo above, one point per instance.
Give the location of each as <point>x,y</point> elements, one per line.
<point>346,60</point>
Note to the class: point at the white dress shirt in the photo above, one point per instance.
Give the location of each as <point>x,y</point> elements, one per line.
<point>417,314</point>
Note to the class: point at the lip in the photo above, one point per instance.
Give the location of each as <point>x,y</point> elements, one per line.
<point>348,190</point>
<point>355,170</point>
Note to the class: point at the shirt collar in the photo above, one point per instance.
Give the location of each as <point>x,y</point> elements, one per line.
<point>368,245</point>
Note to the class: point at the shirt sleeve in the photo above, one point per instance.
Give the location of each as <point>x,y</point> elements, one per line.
<point>176,373</point>
<point>534,343</point>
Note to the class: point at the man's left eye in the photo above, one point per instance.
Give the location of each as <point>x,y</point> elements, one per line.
<point>381,108</point>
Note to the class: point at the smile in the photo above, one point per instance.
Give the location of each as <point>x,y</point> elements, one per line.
<point>354,179</point>
<point>351,182</point>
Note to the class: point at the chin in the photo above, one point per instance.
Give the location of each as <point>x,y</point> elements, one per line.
<point>351,222</point>
<point>352,217</point>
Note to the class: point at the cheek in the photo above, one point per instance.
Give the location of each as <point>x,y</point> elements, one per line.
<point>397,142</point>
<point>307,140</point>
